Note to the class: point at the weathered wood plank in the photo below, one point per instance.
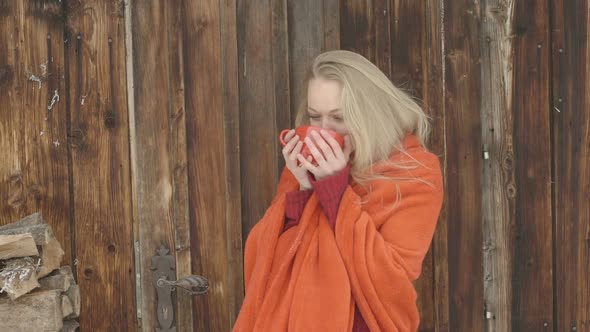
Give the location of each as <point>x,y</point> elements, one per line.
<point>231,106</point>
<point>463,128</point>
<point>407,58</point>
<point>331,24</point>
<point>34,173</point>
<point>383,16</point>
<point>258,129</point>
<point>99,143</point>
<point>357,32</point>
<point>532,284</point>
<point>180,198</point>
<point>498,192</point>
<point>434,105</point>
<point>306,40</point>
<point>570,51</point>
<point>206,145</point>
<point>281,61</point>
<point>151,172</point>
<point>12,78</point>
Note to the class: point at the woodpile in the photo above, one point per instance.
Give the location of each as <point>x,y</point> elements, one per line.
<point>36,292</point>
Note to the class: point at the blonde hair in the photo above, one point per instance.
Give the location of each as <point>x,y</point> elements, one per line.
<point>378,115</point>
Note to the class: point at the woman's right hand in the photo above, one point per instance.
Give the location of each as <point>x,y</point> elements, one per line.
<point>290,151</point>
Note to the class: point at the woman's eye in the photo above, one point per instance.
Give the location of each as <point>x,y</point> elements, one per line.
<point>314,117</point>
<point>338,118</point>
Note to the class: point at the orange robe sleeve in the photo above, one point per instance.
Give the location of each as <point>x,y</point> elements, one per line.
<point>383,239</point>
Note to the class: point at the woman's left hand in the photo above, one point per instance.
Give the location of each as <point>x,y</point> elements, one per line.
<point>329,156</point>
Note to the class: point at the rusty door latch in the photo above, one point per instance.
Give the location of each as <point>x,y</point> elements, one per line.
<point>164,280</point>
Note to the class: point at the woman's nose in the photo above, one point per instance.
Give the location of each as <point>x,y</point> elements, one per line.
<point>326,124</point>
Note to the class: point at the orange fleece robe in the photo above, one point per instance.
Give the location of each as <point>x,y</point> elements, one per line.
<point>309,277</point>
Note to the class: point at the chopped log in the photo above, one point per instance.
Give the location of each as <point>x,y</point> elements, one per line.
<point>51,251</point>
<point>70,326</point>
<point>66,306</point>
<point>60,279</point>
<point>74,295</point>
<point>51,255</point>
<point>37,311</point>
<point>20,245</point>
<point>42,234</point>
<point>33,219</point>
<point>18,277</point>
<point>63,280</point>
<point>66,270</point>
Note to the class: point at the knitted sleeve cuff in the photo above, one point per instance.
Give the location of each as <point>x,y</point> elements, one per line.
<point>329,192</point>
<point>295,203</point>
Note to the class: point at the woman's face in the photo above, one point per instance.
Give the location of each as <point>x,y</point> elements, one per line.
<point>323,105</point>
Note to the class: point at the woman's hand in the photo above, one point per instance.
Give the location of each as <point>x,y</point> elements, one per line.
<point>329,156</point>
<point>290,152</point>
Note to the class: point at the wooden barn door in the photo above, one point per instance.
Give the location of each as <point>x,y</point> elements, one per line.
<point>185,171</point>
<point>119,122</point>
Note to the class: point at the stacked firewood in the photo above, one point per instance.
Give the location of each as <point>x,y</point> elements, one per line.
<point>36,292</point>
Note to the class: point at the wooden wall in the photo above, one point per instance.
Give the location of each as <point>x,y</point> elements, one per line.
<point>165,134</point>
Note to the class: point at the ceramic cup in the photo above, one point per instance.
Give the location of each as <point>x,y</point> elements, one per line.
<point>305,131</point>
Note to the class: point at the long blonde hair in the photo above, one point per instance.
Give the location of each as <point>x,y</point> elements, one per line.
<point>378,115</point>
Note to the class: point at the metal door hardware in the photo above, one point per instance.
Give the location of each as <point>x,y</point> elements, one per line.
<point>164,280</point>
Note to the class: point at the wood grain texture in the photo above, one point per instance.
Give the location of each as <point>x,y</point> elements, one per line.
<point>206,148</point>
<point>18,245</point>
<point>498,192</point>
<point>231,110</point>
<point>463,128</point>
<point>532,282</point>
<point>434,105</point>
<point>357,28</point>
<point>385,25</point>
<point>178,161</point>
<point>259,147</point>
<point>99,143</point>
<point>570,51</point>
<point>407,40</point>
<point>152,173</point>
<point>281,60</point>
<point>33,173</point>
<point>331,23</point>
<point>306,41</point>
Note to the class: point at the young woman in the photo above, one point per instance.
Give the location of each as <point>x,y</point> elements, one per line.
<point>345,235</point>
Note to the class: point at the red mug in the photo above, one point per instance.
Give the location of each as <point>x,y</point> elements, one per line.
<point>305,131</point>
